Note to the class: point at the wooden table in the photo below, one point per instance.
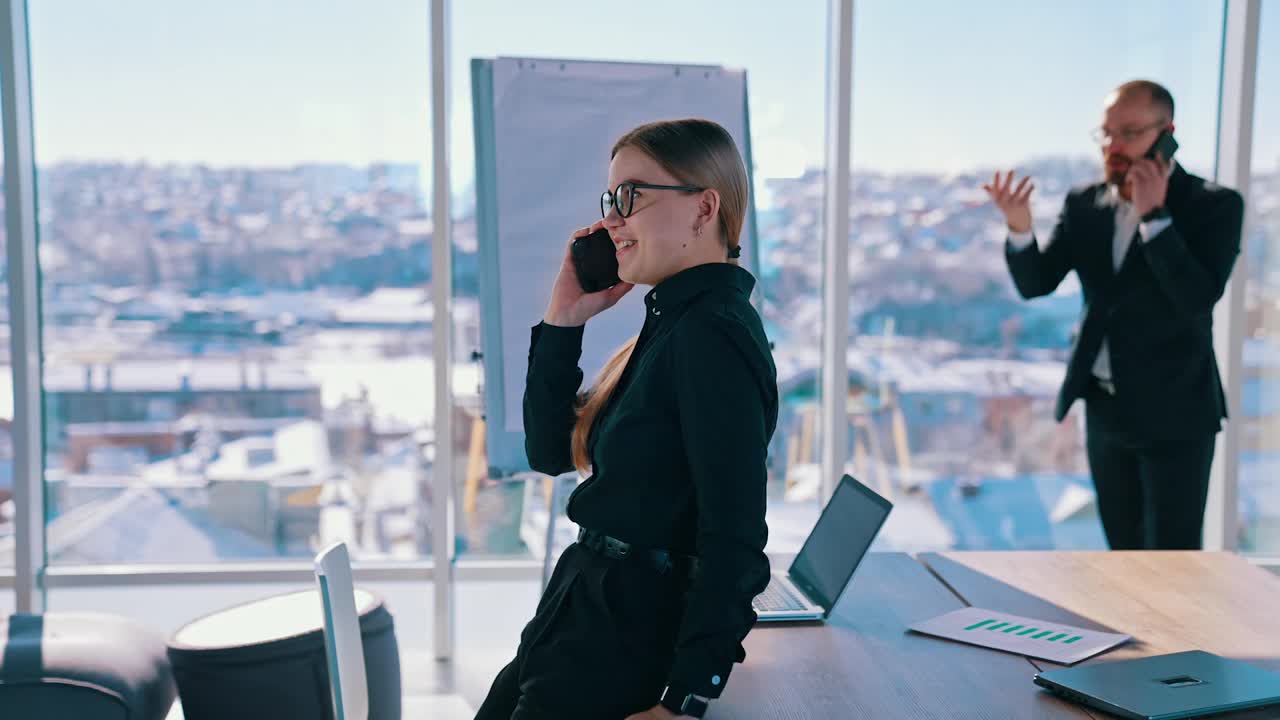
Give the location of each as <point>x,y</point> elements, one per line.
<point>1168,601</point>
<point>863,663</point>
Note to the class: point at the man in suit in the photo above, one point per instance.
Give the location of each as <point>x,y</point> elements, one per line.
<point>1153,247</point>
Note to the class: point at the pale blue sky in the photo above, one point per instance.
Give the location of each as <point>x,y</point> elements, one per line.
<point>937,86</point>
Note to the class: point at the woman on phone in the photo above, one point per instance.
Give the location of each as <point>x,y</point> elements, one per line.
<point>645,615</point>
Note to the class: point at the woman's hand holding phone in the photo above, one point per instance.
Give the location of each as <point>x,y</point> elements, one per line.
<point>570,306</point>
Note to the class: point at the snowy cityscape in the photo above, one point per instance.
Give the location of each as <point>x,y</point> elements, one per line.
<point>237,365</point>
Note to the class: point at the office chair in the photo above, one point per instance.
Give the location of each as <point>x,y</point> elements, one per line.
<point>344,648</point>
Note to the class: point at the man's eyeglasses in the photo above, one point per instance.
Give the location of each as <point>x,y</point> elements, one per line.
<point>623,197</point>
<point>1125,135</point>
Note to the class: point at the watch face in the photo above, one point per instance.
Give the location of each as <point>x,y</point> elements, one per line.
<point>695,706</point>
<point>682,702</point>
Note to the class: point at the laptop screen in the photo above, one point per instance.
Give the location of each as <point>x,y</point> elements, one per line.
<point>842,535</point>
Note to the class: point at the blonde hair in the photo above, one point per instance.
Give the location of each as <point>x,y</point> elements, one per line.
<point>695,152</point>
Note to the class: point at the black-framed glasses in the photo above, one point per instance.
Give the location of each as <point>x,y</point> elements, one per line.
<point>1125,135</point>
<point>623,197</point>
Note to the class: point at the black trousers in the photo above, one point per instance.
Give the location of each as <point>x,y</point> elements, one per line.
<point>599,647</point>
<point>1150,497</point>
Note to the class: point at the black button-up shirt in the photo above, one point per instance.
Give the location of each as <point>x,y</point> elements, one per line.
<point>678,453</point>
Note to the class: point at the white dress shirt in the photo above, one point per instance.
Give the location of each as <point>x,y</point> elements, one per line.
<point>1128,223</point>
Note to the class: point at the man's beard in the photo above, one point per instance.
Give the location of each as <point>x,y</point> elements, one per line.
<point>1116,175</point>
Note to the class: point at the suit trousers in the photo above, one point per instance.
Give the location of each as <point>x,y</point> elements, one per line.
<point>1150,497</point>
<point>599,647</point>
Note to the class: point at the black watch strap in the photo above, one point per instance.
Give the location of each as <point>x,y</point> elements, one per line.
<point>682,702</point>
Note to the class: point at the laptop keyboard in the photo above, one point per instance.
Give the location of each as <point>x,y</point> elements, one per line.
<point>777,597</point>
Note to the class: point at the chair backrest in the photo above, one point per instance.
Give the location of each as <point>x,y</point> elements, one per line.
<point>343,644</point>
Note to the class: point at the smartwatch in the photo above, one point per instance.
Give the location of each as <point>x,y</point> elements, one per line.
<point>682,702</point>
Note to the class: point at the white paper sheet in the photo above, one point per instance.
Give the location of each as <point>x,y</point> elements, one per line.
<point>1056,642</point>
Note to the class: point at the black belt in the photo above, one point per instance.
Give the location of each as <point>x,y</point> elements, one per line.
<point>660,560</point>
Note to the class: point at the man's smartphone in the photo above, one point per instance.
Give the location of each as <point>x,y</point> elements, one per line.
<point>1164,146</point>
<point>596,261</point>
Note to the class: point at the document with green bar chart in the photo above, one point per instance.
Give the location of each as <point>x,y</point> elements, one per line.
<point>1026,636</point>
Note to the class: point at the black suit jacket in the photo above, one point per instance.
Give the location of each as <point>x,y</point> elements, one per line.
<point>1156,312</point>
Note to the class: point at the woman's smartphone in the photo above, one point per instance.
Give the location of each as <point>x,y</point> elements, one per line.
<point>596,261</point>
<point>1164,146</point>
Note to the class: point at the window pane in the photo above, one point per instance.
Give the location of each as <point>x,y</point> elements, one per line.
<point>954,377</point>
<point>1260,446</point>
<point>236,256</point>
<point>784,54</point>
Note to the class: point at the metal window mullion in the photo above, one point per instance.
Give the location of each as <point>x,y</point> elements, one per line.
<point>835,274</point>
<point>1234,155</point>
<point>24,308</point>
<point>442,544</point>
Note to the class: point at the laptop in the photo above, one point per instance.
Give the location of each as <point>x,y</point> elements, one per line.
<point>819,574</point>
<point>1166,687</point>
